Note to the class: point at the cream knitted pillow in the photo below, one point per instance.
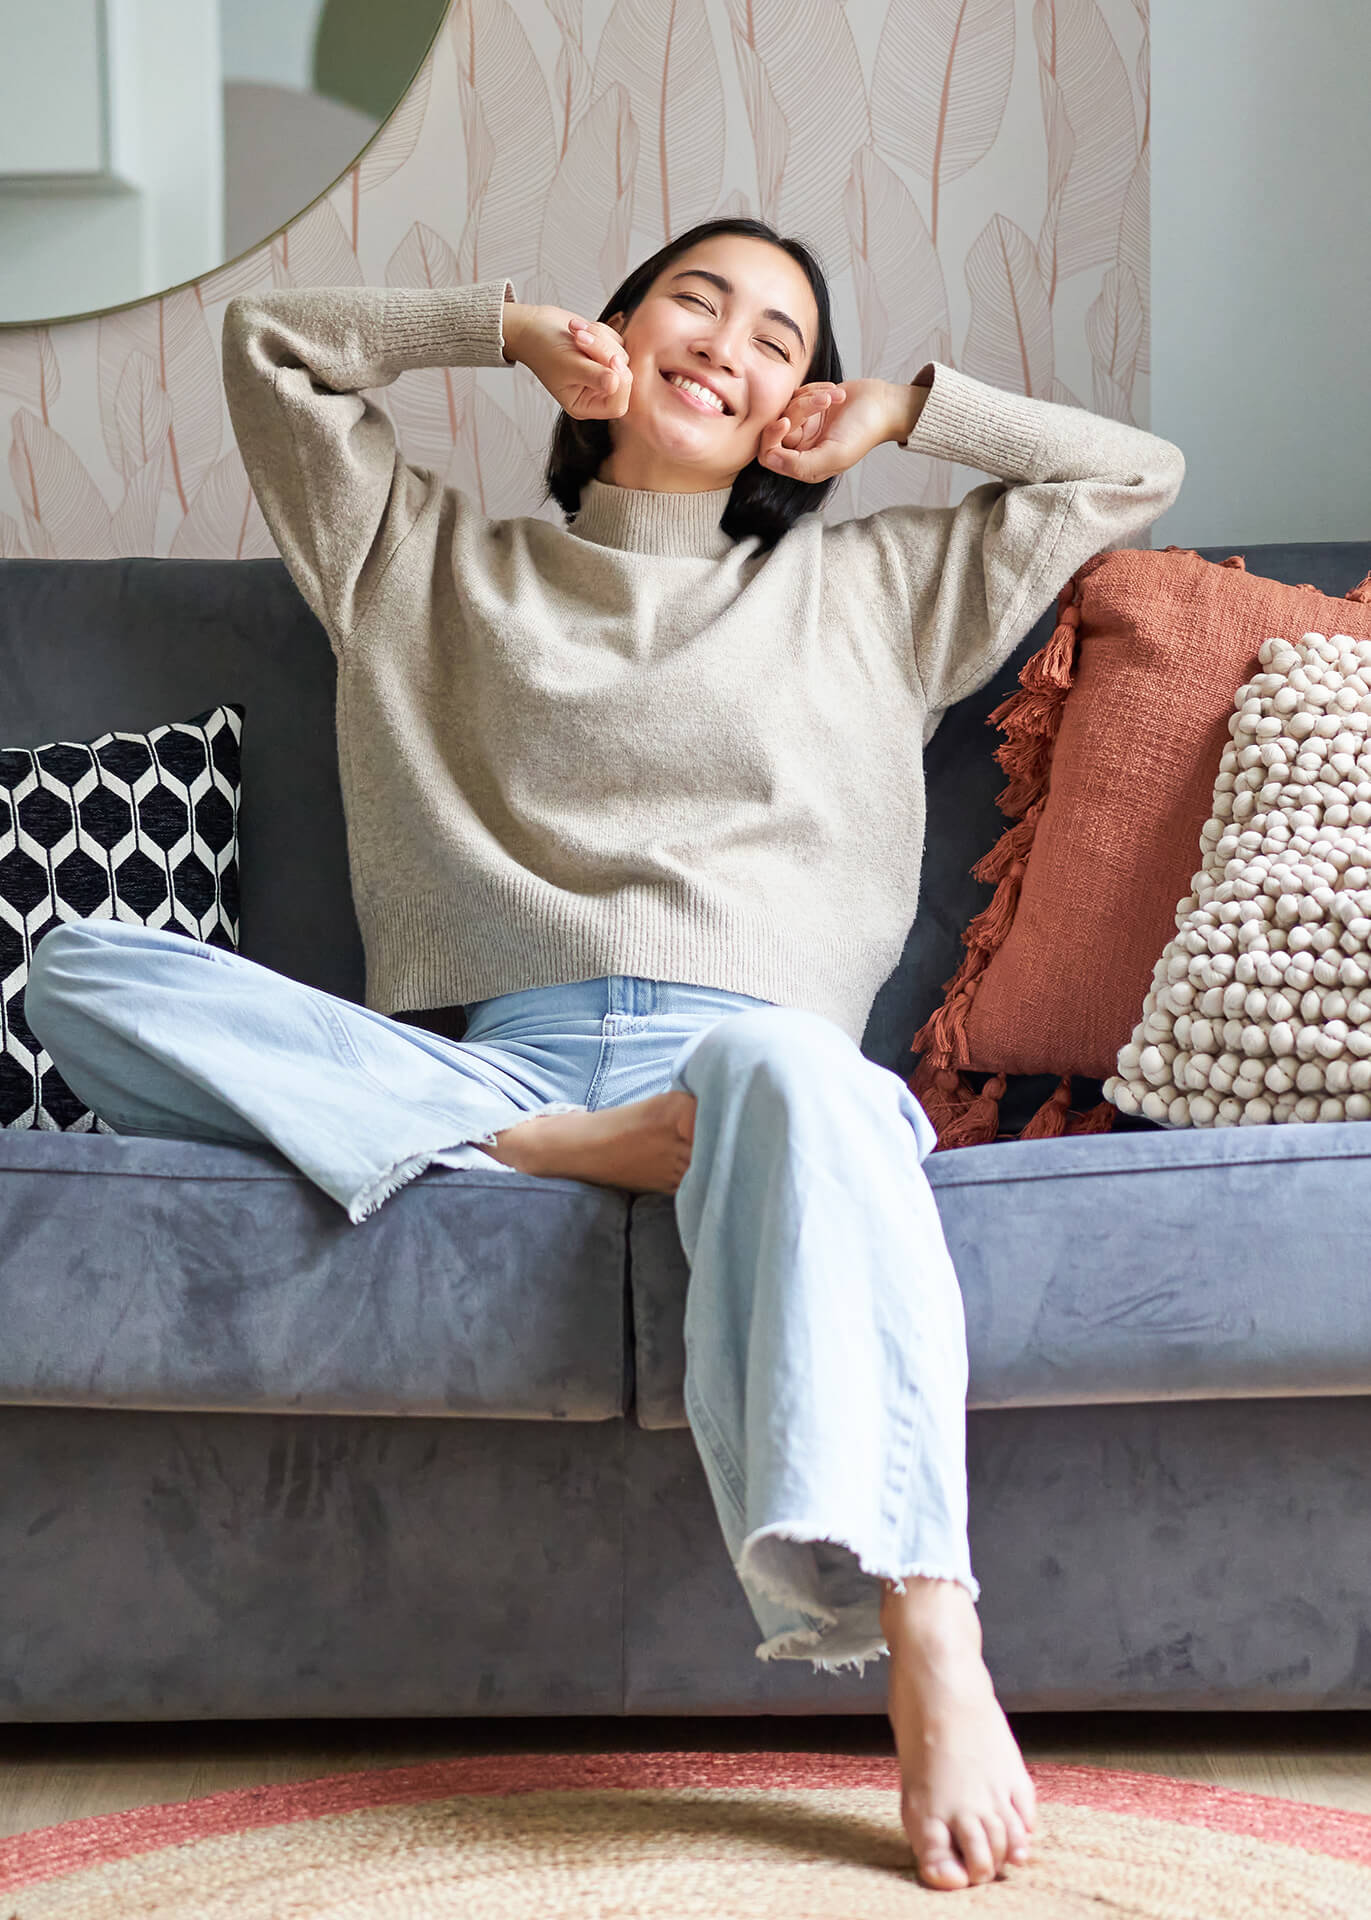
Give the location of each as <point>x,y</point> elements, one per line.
<point>1260,1007</point>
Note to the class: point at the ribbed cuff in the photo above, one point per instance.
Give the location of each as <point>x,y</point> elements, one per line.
<point>978,425</point>
<point>445,326</point>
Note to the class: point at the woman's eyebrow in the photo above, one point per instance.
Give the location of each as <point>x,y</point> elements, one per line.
<point>726,286</point>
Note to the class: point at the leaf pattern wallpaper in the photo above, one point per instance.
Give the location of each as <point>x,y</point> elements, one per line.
<point>972,175</point>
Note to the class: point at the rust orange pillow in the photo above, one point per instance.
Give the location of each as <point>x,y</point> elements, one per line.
<point>1112,750</point>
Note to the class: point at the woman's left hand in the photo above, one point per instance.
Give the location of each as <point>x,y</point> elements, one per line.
<point>827,429</point>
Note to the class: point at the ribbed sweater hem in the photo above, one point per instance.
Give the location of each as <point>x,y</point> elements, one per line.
<point>432,950</point>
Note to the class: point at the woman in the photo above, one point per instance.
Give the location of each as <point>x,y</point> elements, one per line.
<point>642,797</point>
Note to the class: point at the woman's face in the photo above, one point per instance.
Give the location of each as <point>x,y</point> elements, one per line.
<point>712,314</point>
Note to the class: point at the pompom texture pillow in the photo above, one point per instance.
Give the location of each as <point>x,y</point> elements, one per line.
<point>1260,1007</point>
<point>1112,748</point>
<point>130,826</point>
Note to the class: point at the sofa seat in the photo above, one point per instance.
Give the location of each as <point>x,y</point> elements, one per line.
<point>172,1275</point>
<point>1177,1264</point>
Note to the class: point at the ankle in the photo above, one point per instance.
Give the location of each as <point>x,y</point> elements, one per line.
<point>936,1614</point>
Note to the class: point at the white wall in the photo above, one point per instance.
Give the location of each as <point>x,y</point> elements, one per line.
<point>270,40</point>
<point>132,151</point>
<point>80,251</point>
<point>1261,290</point>
<point>166,107</point>
<point>51,89</point>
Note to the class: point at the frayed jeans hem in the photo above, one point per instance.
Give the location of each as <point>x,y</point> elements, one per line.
<point>400,1172</point>
<point>829,1640</point>
<point>801,1643</point>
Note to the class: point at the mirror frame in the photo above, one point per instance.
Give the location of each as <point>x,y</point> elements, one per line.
<point>161,293</point>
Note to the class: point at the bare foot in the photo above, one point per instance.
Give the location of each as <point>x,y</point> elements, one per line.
<point>966,1799</point>
<point>643,1147</point>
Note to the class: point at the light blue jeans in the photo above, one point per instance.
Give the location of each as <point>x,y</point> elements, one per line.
<point>826,1366</point>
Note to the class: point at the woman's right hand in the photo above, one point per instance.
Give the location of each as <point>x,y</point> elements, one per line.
<point>582,363</point>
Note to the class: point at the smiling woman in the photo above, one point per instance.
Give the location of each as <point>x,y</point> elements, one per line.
<point>141,147</point>
<point>647,803</point>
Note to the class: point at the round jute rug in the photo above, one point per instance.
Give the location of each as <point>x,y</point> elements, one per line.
<point>671,1836</point>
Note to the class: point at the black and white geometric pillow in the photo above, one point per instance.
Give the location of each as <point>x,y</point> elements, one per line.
<point>132,826</point>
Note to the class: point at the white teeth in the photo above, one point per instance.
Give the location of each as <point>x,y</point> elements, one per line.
<point>693,386</point>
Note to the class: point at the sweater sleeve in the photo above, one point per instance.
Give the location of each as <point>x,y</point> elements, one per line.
<point>979,575</point>
<point>333,487</point>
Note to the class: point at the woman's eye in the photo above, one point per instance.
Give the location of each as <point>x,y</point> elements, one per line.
<point>708,309</point>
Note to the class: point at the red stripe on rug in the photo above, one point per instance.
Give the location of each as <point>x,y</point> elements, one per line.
<point>48,1851</point>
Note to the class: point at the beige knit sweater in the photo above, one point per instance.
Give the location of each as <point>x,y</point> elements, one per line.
<point>632,745</point>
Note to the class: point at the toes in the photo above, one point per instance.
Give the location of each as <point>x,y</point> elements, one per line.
<point>997,1836</point>
<point>937,1864</point>
<point>943,1872</point>
<point>971,1838</point>
<point>1017,1836</point>
<point>1024,1800</point>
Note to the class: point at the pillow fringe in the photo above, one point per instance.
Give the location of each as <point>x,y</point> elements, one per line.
<point>976,1120</point>
<point>961,1117</point>
<point>1030,720</point>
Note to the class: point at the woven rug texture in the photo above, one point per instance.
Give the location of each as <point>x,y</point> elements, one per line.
<point>673,1836</point>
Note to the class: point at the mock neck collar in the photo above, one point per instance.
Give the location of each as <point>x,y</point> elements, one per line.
<point>637,521</point>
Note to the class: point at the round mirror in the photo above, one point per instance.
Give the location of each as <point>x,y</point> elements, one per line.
<point>144,143</point>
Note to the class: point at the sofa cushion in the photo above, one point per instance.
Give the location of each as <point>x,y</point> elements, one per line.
<point>162,1274</point>
<point>1175,1265</point>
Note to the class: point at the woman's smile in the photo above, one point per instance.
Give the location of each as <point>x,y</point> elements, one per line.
<point>694,400</point>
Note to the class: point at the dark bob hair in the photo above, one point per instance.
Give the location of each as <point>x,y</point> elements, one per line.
<point>762,502</point>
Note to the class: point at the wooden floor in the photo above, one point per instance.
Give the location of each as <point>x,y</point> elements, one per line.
<point>53,1773</point>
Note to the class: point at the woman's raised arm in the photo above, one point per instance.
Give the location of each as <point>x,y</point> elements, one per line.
<point>322,459</point>
<point>979,575</point>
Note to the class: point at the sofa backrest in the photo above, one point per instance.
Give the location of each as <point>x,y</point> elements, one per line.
<point>92,645</point>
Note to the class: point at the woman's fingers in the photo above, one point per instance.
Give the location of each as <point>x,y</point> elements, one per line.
<point>809,409</point>
<point>821,396</point>
<point>607,347</point>
<point>606,353</point>
<point>803,427</point>
<point>775,453</point>
<point>788,441</point>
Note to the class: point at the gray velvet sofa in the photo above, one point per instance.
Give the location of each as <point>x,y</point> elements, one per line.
<point>260,1463</point>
